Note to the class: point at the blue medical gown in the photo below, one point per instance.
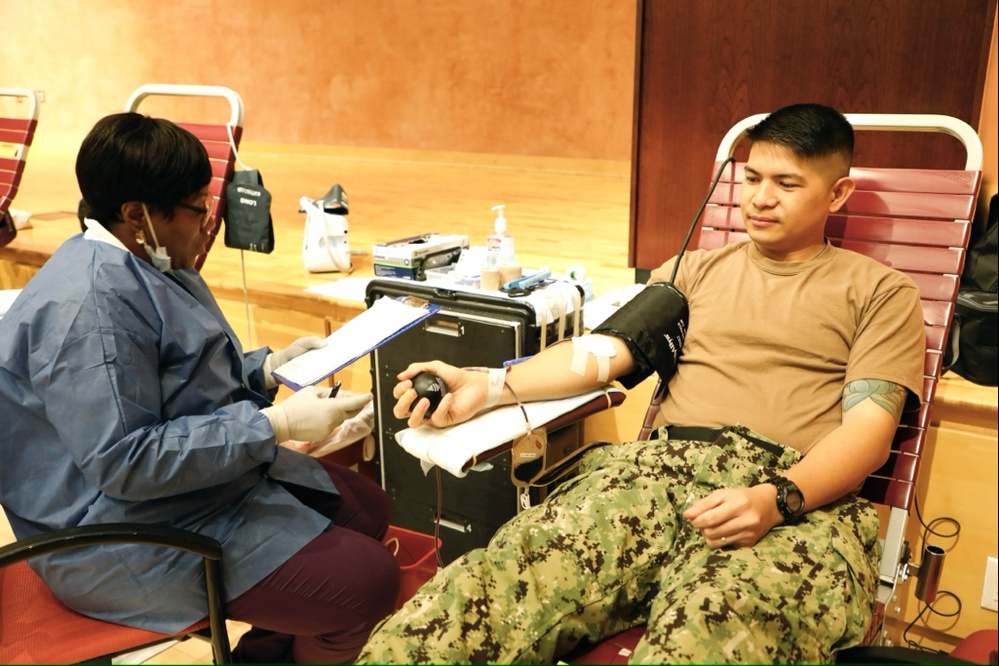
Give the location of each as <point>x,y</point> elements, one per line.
<point>125,396</point>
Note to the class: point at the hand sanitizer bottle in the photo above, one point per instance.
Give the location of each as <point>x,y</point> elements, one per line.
<point>499,244</point>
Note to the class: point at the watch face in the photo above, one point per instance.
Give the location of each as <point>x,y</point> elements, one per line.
<point>794,502</point>
<point>790,500</point>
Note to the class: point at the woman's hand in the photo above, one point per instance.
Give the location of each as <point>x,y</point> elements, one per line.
<point>310,415</point>
<point>275,360</point>
<point>467,393</point>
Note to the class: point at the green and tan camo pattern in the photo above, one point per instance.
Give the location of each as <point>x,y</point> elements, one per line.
<point>609,550</point>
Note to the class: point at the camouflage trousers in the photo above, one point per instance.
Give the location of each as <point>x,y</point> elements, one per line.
<point>609,550</point>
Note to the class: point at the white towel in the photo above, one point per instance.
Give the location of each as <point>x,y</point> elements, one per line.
<point>451,448</point>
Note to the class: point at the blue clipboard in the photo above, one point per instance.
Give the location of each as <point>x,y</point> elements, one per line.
<point>383,320</point>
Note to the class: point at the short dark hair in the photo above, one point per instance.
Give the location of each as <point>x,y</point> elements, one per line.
<point>808,130</point>
<point>132,157</point>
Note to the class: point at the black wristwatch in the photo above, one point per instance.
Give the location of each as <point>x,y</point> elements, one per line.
<point>790,501</point>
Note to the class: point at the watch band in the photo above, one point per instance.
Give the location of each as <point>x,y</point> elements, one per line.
<point>787,488</point>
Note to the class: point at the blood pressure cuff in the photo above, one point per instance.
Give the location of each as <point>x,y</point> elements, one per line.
<point>653,325</point>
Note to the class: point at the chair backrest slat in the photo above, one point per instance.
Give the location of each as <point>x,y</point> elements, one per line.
<point>17,130</point>
<point>207,131</point>
<point>918,258</point>
<point>10,170</point>
<point>940,181</point>
<point>934,287</point>
<point>910,231</point>
<point>911,204</point>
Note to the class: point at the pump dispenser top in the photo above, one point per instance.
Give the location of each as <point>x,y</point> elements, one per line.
<point>500,224</point>
<point>499,244</point>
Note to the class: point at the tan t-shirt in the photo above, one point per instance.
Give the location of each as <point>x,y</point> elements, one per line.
<point>771,345</point>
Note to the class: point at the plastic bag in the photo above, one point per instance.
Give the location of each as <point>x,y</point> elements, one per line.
<point>325,248</point>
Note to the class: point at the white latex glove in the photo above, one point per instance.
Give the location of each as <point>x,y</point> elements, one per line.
<point>310,415</point>
<point>275,360</point>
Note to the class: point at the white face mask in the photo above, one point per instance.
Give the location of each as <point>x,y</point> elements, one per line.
<point>158,255</point>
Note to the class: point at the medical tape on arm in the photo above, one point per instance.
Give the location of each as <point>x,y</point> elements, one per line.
<point>598,346</point>
<point>558,306</point>
<point>497,378</point>
<point>495,381</point>
<point>567,299</point>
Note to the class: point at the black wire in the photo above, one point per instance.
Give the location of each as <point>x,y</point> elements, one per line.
<point>928,530</point>
<point>941,519</point>
<point>697,217</point>
<point>929,607</point>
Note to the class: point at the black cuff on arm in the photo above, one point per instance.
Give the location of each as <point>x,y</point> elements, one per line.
<point>653,325</point>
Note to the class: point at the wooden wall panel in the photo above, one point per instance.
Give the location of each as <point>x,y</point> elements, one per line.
<point>702,66</point>
<point>518,77</point>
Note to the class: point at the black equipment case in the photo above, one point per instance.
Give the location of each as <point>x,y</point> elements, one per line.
<point>470,329</point>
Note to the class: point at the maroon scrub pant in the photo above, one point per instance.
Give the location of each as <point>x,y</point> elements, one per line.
<point>320,605</point>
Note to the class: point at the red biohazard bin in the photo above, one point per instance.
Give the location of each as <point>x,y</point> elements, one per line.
<point>416,553</point>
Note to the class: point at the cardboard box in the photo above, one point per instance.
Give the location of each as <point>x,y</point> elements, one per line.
<point>410,258</point>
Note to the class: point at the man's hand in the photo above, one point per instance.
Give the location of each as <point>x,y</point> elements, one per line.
<point>467,393</point>
<point>735,516</point>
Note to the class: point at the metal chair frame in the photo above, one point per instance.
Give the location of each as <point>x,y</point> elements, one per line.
<point>30,625</point>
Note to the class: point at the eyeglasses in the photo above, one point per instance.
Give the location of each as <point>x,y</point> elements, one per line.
<point>209,204</point>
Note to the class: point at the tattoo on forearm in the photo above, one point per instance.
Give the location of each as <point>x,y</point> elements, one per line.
<point>887,395</point>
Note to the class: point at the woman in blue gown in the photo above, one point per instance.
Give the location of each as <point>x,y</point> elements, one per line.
<point>126,396</point>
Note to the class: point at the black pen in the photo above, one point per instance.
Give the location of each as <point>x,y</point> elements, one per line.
<point>335,389</point>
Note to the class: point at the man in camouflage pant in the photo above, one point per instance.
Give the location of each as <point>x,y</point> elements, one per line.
<point>610,549</point>
<point>728,546</point>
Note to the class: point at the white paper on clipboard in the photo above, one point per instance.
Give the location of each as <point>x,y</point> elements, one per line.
<point>7,297</point>
<point>385,319</point>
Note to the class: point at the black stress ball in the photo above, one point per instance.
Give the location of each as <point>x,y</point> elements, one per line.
<point>430,386</point>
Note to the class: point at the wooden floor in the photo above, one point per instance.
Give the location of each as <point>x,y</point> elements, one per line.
<point>561,212</point>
